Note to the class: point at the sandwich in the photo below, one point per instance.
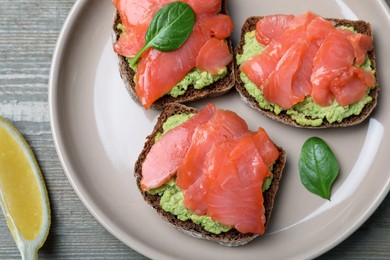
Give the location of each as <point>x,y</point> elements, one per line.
<point>308,71</point>
<point>197,166</point>
<point>203,66</point>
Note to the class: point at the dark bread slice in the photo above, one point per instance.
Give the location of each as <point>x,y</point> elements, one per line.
<point>361,27</point>
<point>217,88</point>
<point>230,238</point>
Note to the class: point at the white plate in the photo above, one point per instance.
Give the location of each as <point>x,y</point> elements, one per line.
<point>99,132</point>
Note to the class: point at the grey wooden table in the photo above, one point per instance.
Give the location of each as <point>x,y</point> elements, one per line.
<point>28,33</point>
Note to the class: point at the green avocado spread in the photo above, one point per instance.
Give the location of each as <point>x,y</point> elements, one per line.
<point>172,197</point>
<point>306,113</point>
<point>172,201</point>
<point>198,79</point>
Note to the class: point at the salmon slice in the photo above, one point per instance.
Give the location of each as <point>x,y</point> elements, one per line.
<point>265,147</point>
<point>318,29</point>
<point>271,27</point>
<point>352,91</point>
<point>195,196</point>
<point>332,61</point>
<point>219,26</point>
<point>361,44</point>
<point>223,126</point>
<point>302,83</point>
<point>280,87</point>
<point>213,56</point>
<point>354,87</point>
<point>201,6</point>
<point>234,185</point>
<point>259,67</point>
<point>296,30</point>
<point>167,154</point>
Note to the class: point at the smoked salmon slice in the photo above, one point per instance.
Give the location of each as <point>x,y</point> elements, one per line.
<point>158,72</point>
<point>318,29</point>
<point>234,185</point>
<point>201,6</point>
<point>361,44</point>
<point>332,61</point>
<point>280,88</point>
<point>259,67</point>
<point>166,155</point>
<point>224,125</point>
<point>219,26</point>
<point>213,56</point>
<point>354,87</point>
<point>266,148</point>
<point>307,56</point>
<point>270,27</point>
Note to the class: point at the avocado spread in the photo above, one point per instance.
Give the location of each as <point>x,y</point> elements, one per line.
<point>172,197</point>
<point>306,113</point>
<point>199,79</point>
<point>172,201</point>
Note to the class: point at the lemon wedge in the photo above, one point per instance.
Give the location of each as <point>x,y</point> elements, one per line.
<point>23,195</point>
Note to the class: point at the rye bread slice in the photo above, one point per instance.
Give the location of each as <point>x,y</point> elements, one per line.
<point>230,238</point>
<point>217,88</point>
<point>361,27</point>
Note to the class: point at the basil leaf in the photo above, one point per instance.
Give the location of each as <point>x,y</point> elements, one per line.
<point>169,29</point>
<point>318,167</point>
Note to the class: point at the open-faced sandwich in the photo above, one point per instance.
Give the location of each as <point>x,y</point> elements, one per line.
<point>308,71</point>
<point>202,66</point>
<point>208,175</point>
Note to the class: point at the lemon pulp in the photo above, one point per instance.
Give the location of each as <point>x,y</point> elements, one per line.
<point>17,180</point>
<point>23,195</point>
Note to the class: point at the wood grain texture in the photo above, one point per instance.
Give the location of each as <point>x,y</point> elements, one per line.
<point>28,33</point>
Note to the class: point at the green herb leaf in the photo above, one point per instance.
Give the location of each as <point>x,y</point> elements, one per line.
<point>169,29</point>
<point>318,167</point>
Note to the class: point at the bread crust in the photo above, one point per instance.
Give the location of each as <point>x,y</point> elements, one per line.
<point>361,27</point>
<point>230,238</point>
<point>218,88</point>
